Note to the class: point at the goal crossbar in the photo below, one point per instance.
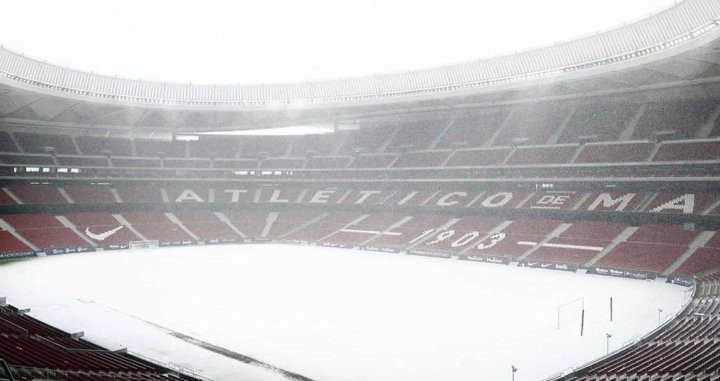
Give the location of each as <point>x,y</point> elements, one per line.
<point>560,307</point>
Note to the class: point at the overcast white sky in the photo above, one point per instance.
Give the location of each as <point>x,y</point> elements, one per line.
<point>236,41</point>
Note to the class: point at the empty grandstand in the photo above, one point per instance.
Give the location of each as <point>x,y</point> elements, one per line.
<point>598,155</point>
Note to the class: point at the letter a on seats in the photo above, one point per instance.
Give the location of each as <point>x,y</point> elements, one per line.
<point>684,203</point>
<point>189,195</point>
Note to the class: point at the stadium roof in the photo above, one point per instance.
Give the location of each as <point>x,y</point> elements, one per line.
<point>676,45</point>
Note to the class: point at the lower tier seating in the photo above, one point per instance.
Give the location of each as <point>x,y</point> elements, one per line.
<point>687,349</point>
<point>34,350</point>
<point>651,248</point>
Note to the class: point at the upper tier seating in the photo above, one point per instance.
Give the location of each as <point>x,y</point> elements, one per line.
<point>312,144</point>
<point>369,138</point>
<point>91,145</point>
<point>83,161</point>
<point>421,159</point>
<point>213,147</point>
<point>472,131</point>
<point>156,148</point>
<point>600,119</point>
<point>478,157</point>
<point>40,143</point>
<point>688,151</point>
<point>559,154</point>
<point>381,160</point>
<point>603,120</point>
<point>532,123</point>
<point>272,146</point>
<point>328,162</point>
<point>614,152</point>
<point>418,135</point>
<point>136,162</point>
<point>283,162</point>
<point>26,159</point>
<point>236,163</point>
<point>6,143</point>
<point>186,163</point>
<point>546,155</point>
<point>683,116</point>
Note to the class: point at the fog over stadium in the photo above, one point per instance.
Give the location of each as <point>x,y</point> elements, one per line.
<point>249,42</point>
<point>368,191</point>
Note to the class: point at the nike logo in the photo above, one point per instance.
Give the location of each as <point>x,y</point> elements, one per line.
<point>102,236</point>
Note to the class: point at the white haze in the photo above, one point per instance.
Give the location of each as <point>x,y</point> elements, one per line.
<point>226,41</point>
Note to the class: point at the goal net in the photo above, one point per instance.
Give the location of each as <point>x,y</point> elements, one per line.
<point>149,244</point>
<point>572,312</point>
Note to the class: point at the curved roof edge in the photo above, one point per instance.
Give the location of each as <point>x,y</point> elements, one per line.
<point>681,23</point>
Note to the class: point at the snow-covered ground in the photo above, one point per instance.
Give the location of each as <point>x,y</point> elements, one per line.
<point>336,314</point>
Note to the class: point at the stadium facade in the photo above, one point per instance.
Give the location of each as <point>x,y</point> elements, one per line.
<point>599,154</point>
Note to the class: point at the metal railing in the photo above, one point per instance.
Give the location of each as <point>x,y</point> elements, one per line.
<point>5,373</point>
<point>177,368</point>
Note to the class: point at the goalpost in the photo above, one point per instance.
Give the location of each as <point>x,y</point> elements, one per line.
<point>568,306</point>
<point>149,244</point>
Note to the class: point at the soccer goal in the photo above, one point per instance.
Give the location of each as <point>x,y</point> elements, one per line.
<point>571,309</point>
<point>149,244</point>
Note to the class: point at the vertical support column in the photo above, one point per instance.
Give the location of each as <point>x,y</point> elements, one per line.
<point>630,128</point>
<point>13,138</point>
<point>437,139</point>
<point>390,139</point>
<point>490,142</point>
<point>555,137</point>
<point>708,127</point>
